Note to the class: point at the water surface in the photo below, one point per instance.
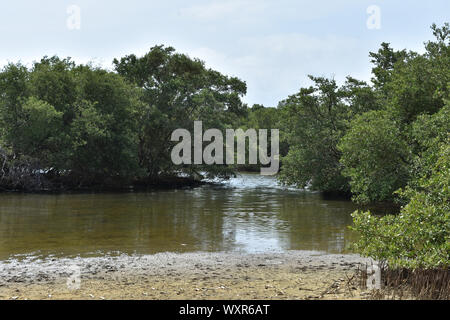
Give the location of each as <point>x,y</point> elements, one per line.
<point>250,213</point>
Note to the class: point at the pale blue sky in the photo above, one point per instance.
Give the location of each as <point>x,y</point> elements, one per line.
<point>271,44</point>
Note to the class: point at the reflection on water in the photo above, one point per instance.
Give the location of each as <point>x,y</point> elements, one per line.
<point>249,213</point>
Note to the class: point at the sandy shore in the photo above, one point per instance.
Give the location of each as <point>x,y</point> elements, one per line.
<point>192,276</point>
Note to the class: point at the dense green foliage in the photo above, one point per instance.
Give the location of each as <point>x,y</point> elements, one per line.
<point>419,236</point>
<point>388,142</point>
<point>360,138</point>
<point>375,157</point>
<point>313,122</point>
<point>67,125</point>
<point>176,91</point>
<point>404,152</point>
<point>75,121</point>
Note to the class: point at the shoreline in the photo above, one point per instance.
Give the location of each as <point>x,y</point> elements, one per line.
<point>137,186</point>
<point>186,276</point>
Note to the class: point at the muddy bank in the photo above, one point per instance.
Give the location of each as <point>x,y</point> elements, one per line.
<point>290,275</point>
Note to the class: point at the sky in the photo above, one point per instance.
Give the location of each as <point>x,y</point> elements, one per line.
<point>273,45</point>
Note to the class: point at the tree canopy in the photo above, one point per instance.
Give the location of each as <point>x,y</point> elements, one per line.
<point>68,125</point>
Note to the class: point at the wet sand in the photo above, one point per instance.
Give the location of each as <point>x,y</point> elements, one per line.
<point>191,276</point>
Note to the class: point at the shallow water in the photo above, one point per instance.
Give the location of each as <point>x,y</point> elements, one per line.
<point>250,213</point>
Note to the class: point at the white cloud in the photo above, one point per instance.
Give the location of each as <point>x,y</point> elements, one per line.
<point>223,9</point>
<point>271,44</point>
<point>269,10</point>
<point>297,43</point>
<point>277,65</point>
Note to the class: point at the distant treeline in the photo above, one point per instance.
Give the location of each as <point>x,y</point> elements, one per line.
<point>67,126</point>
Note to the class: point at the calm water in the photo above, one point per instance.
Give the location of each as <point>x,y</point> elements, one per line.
<point>250,213</point>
